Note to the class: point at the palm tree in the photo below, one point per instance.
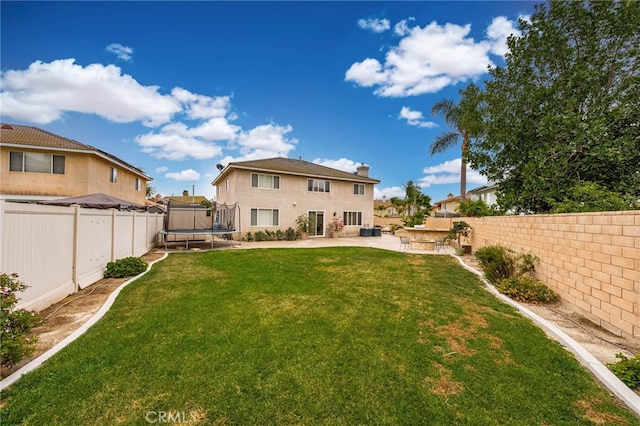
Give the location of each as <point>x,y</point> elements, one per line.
<point>452,115</point>
<point>465,120</point>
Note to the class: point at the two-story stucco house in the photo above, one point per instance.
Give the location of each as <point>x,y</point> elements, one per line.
<point>273,192</point>
<point>38,165</point>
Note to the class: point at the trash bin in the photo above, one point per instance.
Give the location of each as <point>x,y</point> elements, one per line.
<point>365,232</point>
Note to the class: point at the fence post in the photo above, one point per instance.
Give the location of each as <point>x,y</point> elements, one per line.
<point>76,236</point>
<point>2,219</point>
<point>133,233</point>
<point>113,235</point>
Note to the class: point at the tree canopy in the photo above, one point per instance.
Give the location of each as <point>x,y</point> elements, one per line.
<point>562,116</point>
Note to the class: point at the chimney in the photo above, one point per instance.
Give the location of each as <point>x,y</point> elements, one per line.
<point>363,170</point>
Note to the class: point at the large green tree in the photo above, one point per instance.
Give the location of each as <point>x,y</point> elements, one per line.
<point>562,116</point>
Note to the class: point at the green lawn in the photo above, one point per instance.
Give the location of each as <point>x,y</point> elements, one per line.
<point>336,336</point>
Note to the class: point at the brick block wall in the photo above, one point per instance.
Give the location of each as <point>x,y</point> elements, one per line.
<point>591,259</point>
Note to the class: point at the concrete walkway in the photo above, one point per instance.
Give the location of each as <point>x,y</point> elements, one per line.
<point>386,242</point>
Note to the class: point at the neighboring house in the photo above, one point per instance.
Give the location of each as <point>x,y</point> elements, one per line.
<point>38,165</point>
<point>486,193</point>
<point>384,208</point>
<point>446,208</point>
<point>185,199</point>
<point>273,192</point>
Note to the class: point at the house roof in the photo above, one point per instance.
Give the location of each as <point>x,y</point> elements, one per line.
<point>32,137</point>
<point>484,188</point>
<point>186,199</point>
<point>293,167</point>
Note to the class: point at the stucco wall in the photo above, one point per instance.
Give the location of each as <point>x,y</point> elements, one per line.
<point>84,174</point>
<point>591,259</point>
<point>293,199</point>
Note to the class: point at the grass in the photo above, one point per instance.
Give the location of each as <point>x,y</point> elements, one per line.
<point>336,336</point>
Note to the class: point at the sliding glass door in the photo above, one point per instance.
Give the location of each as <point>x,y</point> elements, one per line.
<point>316,223</point>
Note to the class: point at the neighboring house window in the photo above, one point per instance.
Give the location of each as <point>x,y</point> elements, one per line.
<point>314,185</point>
<point>265,217</point>
<point>265,181</point>
<point>358,189</point>
<point>226,184</point>
<point>36,162</point>
<point>113,176</point>
<point>137,184</point>
<point>352,218</point>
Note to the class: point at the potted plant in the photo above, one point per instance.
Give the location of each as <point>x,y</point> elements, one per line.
<point>302,225</point>
<point>335,226</point>
<point>459,230</point>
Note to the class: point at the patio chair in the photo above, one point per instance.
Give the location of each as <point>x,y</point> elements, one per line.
<point>405,243</point>
<point>440,245</point>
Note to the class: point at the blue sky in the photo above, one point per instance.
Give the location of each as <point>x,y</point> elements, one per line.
<point>175,88</point>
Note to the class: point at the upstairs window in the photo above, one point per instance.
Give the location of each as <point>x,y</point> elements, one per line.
<point>265,181</point>
<point>138,186</point>
<point>113,175</point>
<point>358,189</point>
<point>314,185</point>
<point>36,162</point>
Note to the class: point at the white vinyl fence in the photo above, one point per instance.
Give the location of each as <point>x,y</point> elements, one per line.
<point>58,250</point>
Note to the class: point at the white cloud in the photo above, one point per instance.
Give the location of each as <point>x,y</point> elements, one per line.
<point>184,176</point>
<point>374,24</point>
<point>200,106</point>
<point>123,52</point>
<point>161,169</point>
<point>45,91</point>
<point>343,164</point>
<point>265,141</point>
<point>392,191</point>
<point>448,172</point>
<point>430,58</point>
<point>402,28</point>
<point>176,142</point>
<point>498,32</point>
<point>414,118</point>
<point>367,73</point>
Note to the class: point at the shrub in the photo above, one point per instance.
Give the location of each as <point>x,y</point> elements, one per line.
<point>125,267</point>
<point>249,236</point>
<point>627,370</point>
<point>417,218</point>
<point>15,323</point>
<point>290,234</point>
<point>526,289</point>
<point>498,262</point>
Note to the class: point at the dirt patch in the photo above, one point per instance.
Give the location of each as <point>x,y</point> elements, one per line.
<point>66,316</point>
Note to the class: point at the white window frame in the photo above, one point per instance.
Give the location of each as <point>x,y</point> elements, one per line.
<point>56,163</point>
<point>265,181</point>
<point>113,175</point>
<point>317,185</point>
<point>358,189</point>
<point>258,216</point>
<point>138,186</point>
<point>352,218</point>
